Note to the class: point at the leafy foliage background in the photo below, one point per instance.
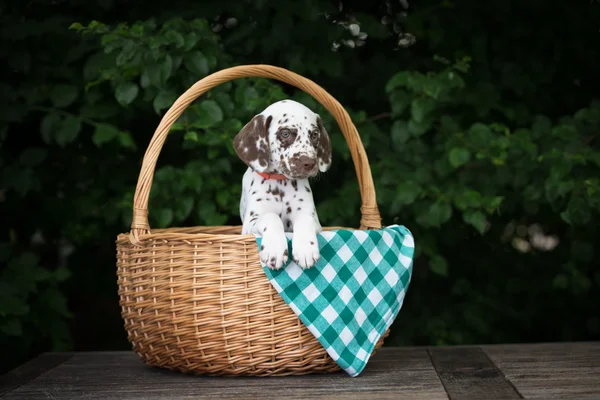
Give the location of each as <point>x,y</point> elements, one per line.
<point>482,138</point>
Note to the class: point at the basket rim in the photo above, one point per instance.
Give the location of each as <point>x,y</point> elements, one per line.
<point>165,233</point>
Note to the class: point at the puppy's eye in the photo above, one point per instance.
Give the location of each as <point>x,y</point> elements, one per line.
<point>284,134</point>
<point>314,134</point>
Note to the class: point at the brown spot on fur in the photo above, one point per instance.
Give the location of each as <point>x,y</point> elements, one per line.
<point>289,224</point>
<point>324,145</point>
<point>307,189</point>
<point>301,199</point>
<point>275,191</point>
<point>254,192</point>
<point>285,252</point>
<point>299,208</point>
<point>311,242</point>
<point>262,247</point>
<point>245,141</point>
<point>295,184</point>
<point>289,210</point>
<point>251,213</point>
<point>258,199</point>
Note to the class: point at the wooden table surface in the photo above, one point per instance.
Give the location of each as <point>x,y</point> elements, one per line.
<point>544,371</point>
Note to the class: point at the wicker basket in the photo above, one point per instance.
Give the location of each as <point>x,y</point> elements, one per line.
<point>196,299</point>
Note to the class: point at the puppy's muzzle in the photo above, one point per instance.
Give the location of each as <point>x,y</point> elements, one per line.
<point>304,165</point>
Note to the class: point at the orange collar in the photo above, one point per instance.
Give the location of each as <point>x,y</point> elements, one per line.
<point>277,177</point>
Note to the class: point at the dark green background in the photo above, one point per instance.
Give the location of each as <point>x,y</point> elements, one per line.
<point>483,137</point>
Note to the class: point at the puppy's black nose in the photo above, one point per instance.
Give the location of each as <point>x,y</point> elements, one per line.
<point>307,163</point>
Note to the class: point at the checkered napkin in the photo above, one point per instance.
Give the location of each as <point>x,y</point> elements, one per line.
<point>352,295</point>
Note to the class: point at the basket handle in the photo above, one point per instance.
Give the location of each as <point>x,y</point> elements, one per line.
<point>370,213</point>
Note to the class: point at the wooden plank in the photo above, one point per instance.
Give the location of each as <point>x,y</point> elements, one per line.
<point>467,373</point>
<point>551,370</point>
<point>392,373</point>
<point>30,370</point>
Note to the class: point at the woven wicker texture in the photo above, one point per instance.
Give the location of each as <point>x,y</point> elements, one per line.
<point>196,299</point>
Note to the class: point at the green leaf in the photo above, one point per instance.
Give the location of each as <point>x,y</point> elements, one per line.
<point>49,126</point>
<point>209,113</point>
<point>476,219</point>
<point>166,68</point>
<point>151,76</point>
<point>11,303</point>
<point>468,198</point>
<point>226,103</point>
<point>438,213</point>
<point>104,133</point>
<point>480,135</point>
<point>175,37</point>
<point>421,108</point>
<point>68,131</point>
<point>11,327</point>
<point>407,192</point>
<point>541,127</point>
<point>165,99</point>
<point>560,281</point>
<point>126,92</point>
<point>126,140</point>
<point>439,265</point>
<point>493,203</point>
<point>61,274</point>
<point>398,80</point>
<point>191,136</point>
<point>63,95</point>
<point>208,214</point>
<point>33,156</point>
<point>556,190</point>
<point>400,133</point>
<point>565,132</point>
<point>419,128</point>
<point>184,208</point>
<point>190,41</point>
<point>76,26</point>
<point>163,217</point>
<point>400,101</point>
<point>196,63</point>
<point>459,156</point>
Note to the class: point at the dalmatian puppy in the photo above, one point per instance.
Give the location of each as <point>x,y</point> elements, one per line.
<point>283,146</point>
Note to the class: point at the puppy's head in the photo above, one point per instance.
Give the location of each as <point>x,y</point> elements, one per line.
<point>286,138</point>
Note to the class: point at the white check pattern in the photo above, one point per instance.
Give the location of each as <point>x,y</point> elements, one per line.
<point>353,294</point>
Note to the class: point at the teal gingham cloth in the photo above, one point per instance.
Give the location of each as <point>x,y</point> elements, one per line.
<point>352,295</point>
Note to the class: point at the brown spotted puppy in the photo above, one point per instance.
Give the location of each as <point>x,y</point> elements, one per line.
<point>283,146</point>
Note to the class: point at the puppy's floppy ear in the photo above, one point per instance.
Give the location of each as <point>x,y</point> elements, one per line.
<point>324,147</point>
<point>251,144</point>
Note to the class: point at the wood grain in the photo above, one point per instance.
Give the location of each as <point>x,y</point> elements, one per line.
<point>548,371</point>
<point>392,373</point>
<point>551,371</point>
<point>467,373</point>
<point>30,370</point>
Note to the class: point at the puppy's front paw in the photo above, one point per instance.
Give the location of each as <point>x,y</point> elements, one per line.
<point>274,250</point>
<point>305,249</point>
